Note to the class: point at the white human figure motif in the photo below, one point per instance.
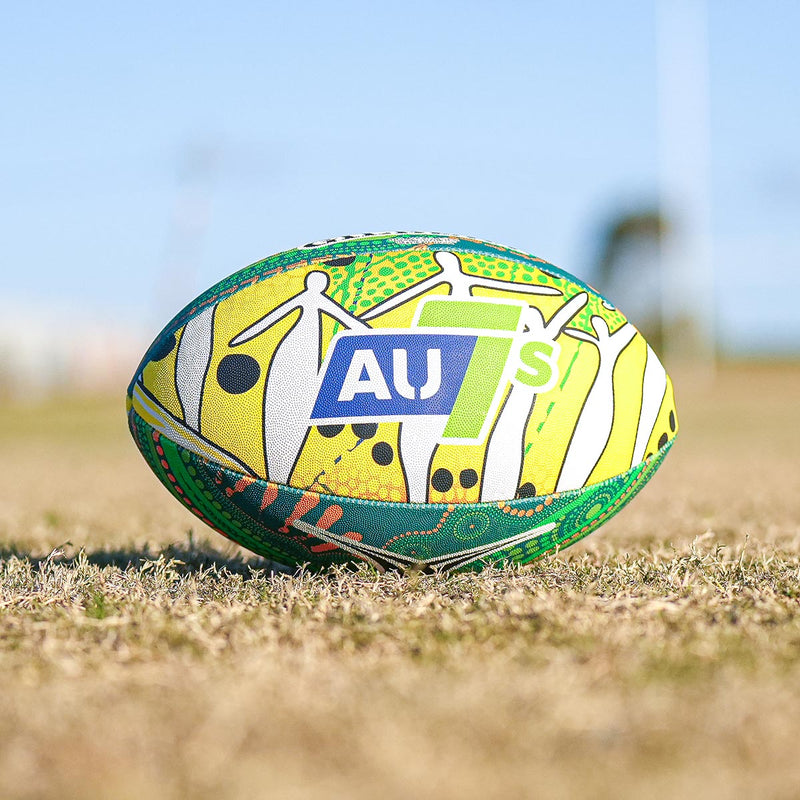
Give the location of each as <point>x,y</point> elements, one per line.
<point>505,451</point>
<point>460,283</point>
<point>419,436</point>
<point>654,385</point>
<point>593,428</point>
<point>191,364</point>
<point>292,377</point>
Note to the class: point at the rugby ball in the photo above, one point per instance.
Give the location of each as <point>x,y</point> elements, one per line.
<point>411,400</point>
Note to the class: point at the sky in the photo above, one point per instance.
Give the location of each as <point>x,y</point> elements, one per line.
<point>151,149</point>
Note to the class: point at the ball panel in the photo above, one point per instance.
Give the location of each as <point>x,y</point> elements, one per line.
<point>246,372</point>
<point>666,425</point>
<point>555,415</point>
<point>627,404</point>
<point>346,460</point>
<point>158,374</point>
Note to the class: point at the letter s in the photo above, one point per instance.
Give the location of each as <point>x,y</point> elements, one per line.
<point>539,368</point>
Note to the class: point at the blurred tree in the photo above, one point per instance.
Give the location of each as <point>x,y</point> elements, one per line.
<point>627,270</point>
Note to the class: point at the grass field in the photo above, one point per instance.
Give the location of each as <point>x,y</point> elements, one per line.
<point>142,656</point>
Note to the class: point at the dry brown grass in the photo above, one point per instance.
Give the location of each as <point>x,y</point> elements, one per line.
<point>661,657</point>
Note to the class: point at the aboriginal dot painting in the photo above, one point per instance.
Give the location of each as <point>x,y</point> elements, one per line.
<point>404,399</point>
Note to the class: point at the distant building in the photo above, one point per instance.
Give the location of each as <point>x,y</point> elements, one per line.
<point>45,350</point>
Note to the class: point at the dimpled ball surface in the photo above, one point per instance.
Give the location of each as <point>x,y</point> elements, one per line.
<point>408,399</point>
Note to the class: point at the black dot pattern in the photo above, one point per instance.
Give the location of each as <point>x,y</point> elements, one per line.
<point>442,480</point>
<point>672,421</point>
<point>365,430</point>
<point>382,453</point>
<point>663,440</point>
<point>329,431</point>
<point>165,347</point>
<point>344,261</point>
<point>237,373</point>
<point>468,478</point>
<point>526,490</point>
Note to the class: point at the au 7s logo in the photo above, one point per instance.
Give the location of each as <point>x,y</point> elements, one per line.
<point>452,364</point>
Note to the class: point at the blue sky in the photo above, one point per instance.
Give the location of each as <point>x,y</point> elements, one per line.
<point>527,123</point>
